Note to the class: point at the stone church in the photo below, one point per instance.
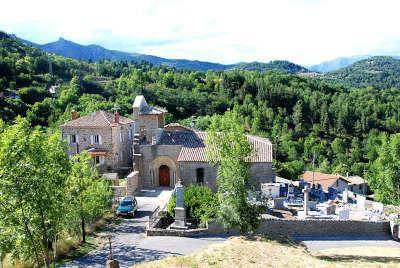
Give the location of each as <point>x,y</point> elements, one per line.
<point>160,154</point>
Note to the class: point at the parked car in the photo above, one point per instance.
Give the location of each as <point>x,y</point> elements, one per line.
<point>127,207</point>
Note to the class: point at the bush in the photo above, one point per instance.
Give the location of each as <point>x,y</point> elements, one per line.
<point>200,202</point>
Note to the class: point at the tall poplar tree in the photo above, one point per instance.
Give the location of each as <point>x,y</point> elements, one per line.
<point>228,149</point>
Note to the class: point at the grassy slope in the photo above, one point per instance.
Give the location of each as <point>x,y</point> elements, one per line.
<point>260,252</point>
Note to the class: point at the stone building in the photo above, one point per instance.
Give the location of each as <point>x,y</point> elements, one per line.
<point>107,137</point>
<point>165,154</point>
<point>159,154</point>
<point>340,183</point>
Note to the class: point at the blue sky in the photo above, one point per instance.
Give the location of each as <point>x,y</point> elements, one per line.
<point>226,31</point>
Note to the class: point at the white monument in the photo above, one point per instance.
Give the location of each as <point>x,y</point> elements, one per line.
<point>306,192</point>
<point>180,211</point>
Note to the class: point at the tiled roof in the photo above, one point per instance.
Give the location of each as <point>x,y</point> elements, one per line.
<point>194,147</point>
<point>356,180</point>
<point>326,180</point>
<point>97,119</point>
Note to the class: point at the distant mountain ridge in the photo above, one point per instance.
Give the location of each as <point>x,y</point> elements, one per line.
<point>95,53</point>
<point>377,71</point>
<point>335,64</point>
<point>278,65</point>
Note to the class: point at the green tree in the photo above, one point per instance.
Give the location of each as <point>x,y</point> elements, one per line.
<point>384,174</point>
<point>228,150</point>
<point>33,173</point>
<point>89,195</point>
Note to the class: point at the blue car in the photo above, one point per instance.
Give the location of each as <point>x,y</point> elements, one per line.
<point>127,207</point>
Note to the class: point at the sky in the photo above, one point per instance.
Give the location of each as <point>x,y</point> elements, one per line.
<point>226,31</point>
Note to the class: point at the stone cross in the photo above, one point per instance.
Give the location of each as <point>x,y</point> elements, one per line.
<point>306,192</point>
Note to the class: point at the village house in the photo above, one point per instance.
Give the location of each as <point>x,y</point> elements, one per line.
<point>162,154</point>
<point>106,136</point>
<point>355,184</point>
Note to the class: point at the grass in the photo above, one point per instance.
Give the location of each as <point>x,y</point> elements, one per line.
<point>70,249</point>
<point>263,252</point>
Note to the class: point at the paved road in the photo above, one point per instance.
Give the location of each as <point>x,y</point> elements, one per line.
<point>130,244</point>
<point>315,243</point>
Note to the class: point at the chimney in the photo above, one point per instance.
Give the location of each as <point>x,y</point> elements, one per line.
<point>74,115</point>
<point>116,117</point>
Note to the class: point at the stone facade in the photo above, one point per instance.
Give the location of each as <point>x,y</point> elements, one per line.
<point>109,143</point>
<point>188,173</point>
<point>165,154</point>
<point>159,155</point>
<point>151,158</point>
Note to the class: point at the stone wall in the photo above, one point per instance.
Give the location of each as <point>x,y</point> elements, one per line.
<point>119,153</point>
<point>123,149</point>
<point>152,157</point>
<point>84,142</point>
<point>132,182</point>
<point>262,173</point>
<point>187,171</point>
<point>314,228</point>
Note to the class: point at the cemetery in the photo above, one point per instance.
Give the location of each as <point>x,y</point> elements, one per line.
<point>296,208</point>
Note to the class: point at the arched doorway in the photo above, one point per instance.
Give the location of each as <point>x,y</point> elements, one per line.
<point>164,176</point>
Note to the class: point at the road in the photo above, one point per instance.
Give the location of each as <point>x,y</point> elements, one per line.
<point>130,243</point>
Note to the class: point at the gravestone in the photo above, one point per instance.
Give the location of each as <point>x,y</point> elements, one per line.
<point>290,191</point>
<point>345,196</point>
<point>180,211</point>
<point>344,214</point>
<point>361,202</point>
<point>377,206</point>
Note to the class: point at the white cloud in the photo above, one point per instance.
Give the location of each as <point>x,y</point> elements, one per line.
<point>227,31</point>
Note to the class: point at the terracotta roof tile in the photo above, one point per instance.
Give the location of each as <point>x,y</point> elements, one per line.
<point>326,180</point>
<point>97,119</point>
<point>194,147</point>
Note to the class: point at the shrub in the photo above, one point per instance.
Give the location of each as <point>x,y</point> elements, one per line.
<point>200,202</point>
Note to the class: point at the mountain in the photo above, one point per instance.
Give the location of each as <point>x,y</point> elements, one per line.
<point>335,64</point>
<point>377,71</point>
<point>278,65</point>
<point>95,53</point>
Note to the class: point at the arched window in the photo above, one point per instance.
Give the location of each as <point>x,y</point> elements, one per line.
<point>200,175</point>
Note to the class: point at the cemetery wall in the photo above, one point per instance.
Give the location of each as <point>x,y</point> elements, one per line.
<point>315,227</point>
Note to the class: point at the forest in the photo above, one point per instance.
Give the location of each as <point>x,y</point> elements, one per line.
<point>339,126</point>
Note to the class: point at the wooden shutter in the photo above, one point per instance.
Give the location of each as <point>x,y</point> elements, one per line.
<point>68,138</point>
<point>91,139</point>
<point>100,140</point>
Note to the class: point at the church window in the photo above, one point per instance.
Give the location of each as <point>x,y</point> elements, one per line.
<point>200,175</point>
